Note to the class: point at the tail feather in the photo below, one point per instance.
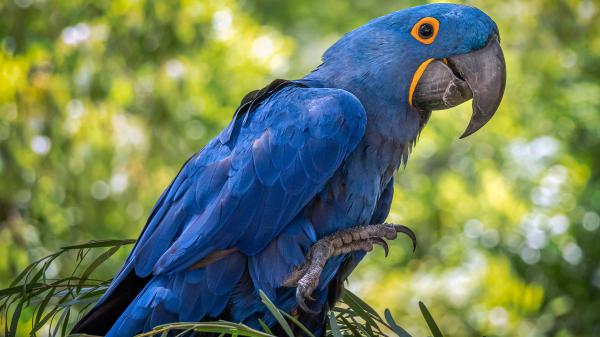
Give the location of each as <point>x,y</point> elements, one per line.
<point>137,305</point>
<point>101,318</point>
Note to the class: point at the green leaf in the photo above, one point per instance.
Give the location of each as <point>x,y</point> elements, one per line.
<point>365,313</point>
<point>33,280</point>
<point>395,327</point>
<point>184,332</point>
<point>220,327</point>
<point>65,323</point>
<point>23,274</point>
<point>15,320</point>
<point>297,323</point>
<point>59,323</point>
<point>19,289</point>
<point>264,326</point>
<point>44,320</point>
<point>429,320</point>
<point>42,307</point>
<point>355,299</point>
<point>350,326</point>
<point>50,259</point>
<point>275,312</point>
<point>361,327</point>
<point>97,262</point>
<point>335,329</point>
<point>99,244</point>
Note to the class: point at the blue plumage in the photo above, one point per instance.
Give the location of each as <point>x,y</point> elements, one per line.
<point>302,160</point>
<point>253,206</point>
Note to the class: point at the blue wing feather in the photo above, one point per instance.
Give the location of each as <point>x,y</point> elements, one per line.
<point>242,191</point>
<point>326,112</point>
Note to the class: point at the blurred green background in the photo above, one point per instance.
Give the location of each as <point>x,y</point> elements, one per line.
<point>102,101</point>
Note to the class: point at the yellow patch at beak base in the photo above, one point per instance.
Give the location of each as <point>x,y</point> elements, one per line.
<point>416,78</point>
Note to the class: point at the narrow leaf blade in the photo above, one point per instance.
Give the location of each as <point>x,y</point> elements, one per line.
<point>284,324</point>
<point>99,260</point>
<point>335,329</point>
<point>395,327</point>
<point>99,244</point>
<point>435,330</point>
<point>15,320</point>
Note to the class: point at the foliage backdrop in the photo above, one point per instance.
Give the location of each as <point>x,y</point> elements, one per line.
<point>101,102</point>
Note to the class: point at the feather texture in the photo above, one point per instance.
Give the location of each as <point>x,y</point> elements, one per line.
<point>241,191</point>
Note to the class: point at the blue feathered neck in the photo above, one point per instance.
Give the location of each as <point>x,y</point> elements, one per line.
<point>372,63</point>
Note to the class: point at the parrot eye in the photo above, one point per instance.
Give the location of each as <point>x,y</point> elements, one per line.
<point>426,30</point>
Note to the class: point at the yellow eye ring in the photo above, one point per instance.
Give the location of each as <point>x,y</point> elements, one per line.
<point>426,30</point>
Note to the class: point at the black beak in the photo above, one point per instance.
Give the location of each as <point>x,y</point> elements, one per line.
<point>480,75</point>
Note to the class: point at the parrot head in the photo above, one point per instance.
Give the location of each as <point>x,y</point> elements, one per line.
<point>420,59</point>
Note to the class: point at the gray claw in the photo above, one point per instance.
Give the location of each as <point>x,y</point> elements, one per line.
<point>300,300</point>
<point>408,232</point>
<point>306,276</point>
<point>382,243</point>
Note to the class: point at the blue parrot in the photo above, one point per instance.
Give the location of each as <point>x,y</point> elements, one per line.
<point>290,196</point>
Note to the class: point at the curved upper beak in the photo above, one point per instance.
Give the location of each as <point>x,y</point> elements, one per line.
<point>480,75</point>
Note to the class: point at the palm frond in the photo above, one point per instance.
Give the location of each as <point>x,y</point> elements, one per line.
<point>48,302</point>
<point>52,305</point>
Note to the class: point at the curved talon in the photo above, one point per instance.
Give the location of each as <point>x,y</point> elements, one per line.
<point>301,303</point>
<point>306,276</point>
<point>300,300</point>
<point>408,232</point>
<point>381,242</point>
<point>308,295</point>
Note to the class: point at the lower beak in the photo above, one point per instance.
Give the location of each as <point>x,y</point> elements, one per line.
<point>480,75</point>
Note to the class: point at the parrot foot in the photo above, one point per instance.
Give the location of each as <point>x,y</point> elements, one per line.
<point>306,276</point>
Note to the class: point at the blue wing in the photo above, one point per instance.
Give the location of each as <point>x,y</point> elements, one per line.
<point>242,191</point>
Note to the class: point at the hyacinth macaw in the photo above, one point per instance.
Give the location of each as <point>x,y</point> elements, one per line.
<point>291,195</point>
